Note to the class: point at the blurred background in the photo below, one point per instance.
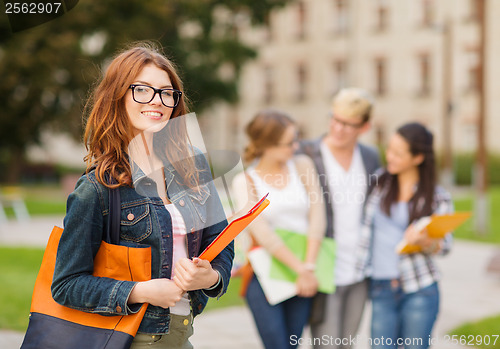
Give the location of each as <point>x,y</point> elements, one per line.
<point>426,60</point>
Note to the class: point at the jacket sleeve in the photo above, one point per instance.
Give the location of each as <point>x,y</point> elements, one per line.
<point>73,284</point>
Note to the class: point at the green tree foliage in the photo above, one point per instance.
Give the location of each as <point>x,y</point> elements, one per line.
<point>46,70</point>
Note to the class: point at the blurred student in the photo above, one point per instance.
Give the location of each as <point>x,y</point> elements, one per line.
<point>345,168</point>
<point>296,205</point>
<point>403,289</point>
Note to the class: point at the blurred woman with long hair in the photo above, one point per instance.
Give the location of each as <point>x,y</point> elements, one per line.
<point>296,206</point>
<point>404,287</point>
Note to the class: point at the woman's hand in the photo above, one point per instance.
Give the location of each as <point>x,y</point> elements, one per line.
<point>194,274</point>
<point>160,292</point>
<point>307,283</point>
<point>421,238</point>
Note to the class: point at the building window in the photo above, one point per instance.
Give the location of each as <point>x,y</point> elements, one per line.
<point>382,16</point>
<point>339,75</point>
<point>428,8</point>
<point>268,85</point>
<point>341,18</point>
<point>380,134</point>
<point>301,82</point>
<point>424,70</point>
<point>380,76</point>
<point>472,56</point>
<point>301,20</point>
<point>268,29</point>
<point>473,10</point>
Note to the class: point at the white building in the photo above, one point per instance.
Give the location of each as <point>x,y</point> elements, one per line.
<point>394,48</point>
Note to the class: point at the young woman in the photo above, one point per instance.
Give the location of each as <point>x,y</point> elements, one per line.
<point>404,290</point>
<point>141,90</point>
<point>296,205</point>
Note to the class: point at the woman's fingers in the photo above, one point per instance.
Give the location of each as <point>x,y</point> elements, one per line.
<point>194,274</point>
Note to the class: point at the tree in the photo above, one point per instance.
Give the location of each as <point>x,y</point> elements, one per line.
<point>47,70</point>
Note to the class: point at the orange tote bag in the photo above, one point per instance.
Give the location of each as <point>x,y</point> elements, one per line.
<point>55,326</point>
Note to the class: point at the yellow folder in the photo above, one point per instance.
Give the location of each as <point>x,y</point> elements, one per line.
<point>437,227</point>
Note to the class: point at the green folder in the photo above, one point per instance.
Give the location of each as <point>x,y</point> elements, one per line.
<point>325,262</point>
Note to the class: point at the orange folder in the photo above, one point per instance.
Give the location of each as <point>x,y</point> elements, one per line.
<point>232,230</point>
<point>437,227</point>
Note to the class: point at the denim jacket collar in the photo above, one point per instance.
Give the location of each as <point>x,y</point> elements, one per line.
<point>148,187</point>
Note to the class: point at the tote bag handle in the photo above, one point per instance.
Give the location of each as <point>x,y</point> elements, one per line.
<point>113,230</point>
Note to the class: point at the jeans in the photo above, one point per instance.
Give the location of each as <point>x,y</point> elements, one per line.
<point>402,320</point>
<point>277,323</point>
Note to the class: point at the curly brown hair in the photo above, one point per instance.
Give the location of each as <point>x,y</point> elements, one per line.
<point>108,131</point>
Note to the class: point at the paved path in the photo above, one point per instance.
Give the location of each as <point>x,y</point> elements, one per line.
<point>468,293</point>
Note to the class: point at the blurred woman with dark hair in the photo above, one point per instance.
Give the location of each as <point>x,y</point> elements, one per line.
<point>403,290</point>
<point>296,206</point>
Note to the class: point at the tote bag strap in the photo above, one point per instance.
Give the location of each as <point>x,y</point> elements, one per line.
<point>112,233</point>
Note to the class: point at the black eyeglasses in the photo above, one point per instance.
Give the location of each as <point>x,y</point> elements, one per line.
<point>347,125</point>
<point>144,94</point>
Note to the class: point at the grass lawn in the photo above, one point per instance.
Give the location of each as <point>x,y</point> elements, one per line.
<point>467,231</point>
<point>481,334</point>
<point>18,270</point>
<point>40,200</point>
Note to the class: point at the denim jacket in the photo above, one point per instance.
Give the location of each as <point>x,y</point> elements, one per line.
<point>144,222</point>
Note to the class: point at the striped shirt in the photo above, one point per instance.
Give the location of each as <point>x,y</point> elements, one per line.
<point>417,270</point>
<point>179,251</point>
